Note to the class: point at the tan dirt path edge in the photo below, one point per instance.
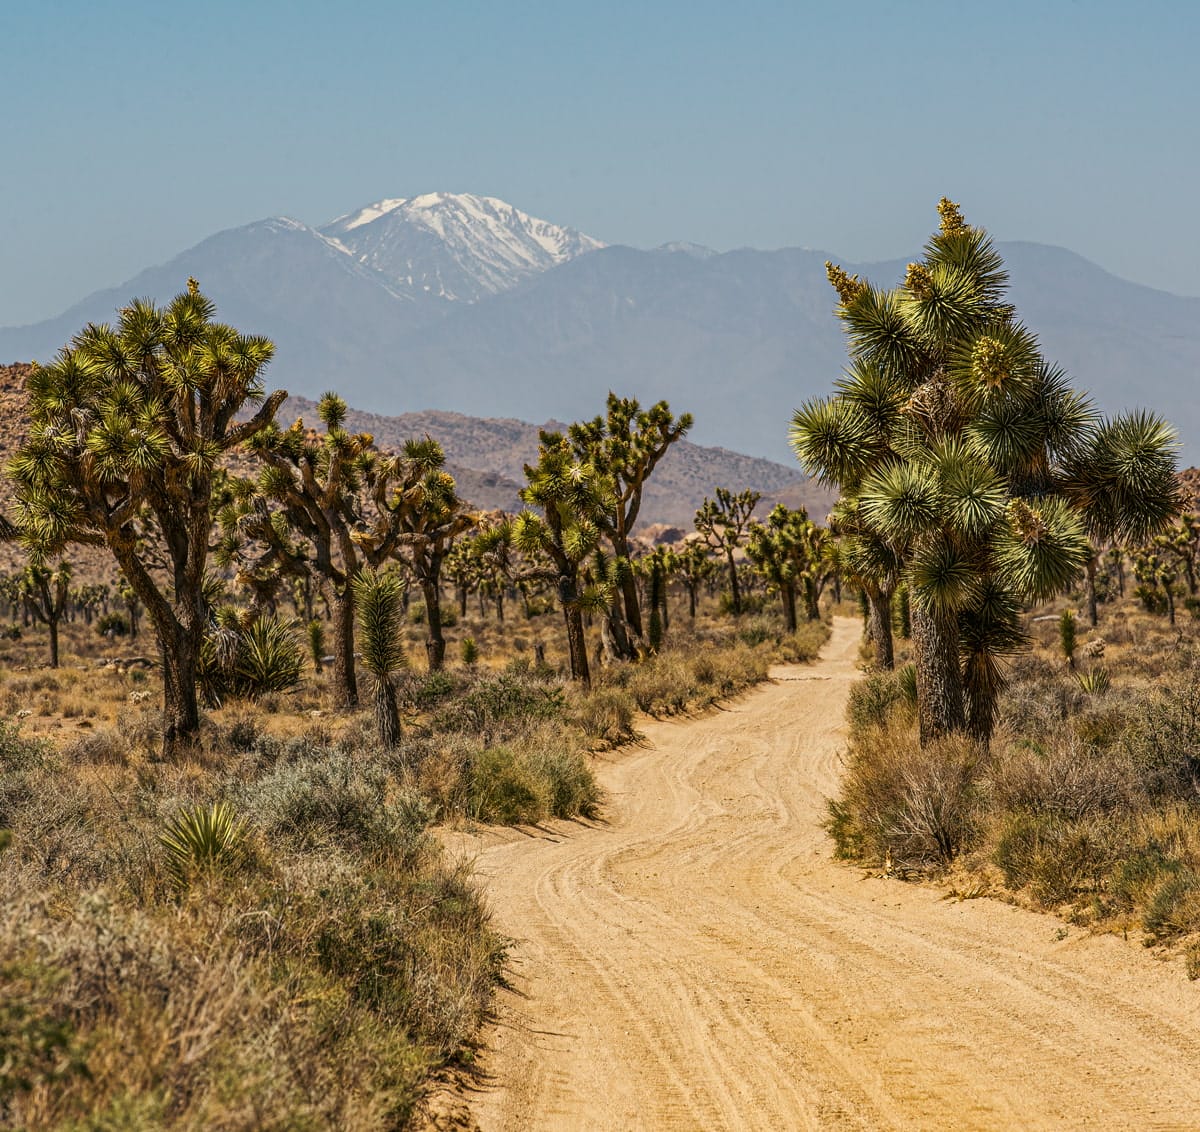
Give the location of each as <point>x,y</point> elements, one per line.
<point>698,961</point>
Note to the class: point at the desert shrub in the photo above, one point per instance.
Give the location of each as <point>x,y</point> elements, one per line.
<point>804,644</point>
<point>570,787</point>
<point>1174,905</point>
<point>753,602</point>
<point>756,629</point>
<point>664,685</point>
<point>903,803</point>
<point>881,697</point>
<point>104,745</point>
<point>1163,737</point>
<point>333,799</point>
<point>425,689</point>
<point>1062,777</point>
<point>468,651</point>
<point>604,715</point>
<point>504,788</point>
<point>17,752</point>
<point>112,624</point>
<point>1054,857</point>
<point>497,706</point>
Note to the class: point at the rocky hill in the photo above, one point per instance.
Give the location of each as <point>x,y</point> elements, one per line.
<point>487,458</point>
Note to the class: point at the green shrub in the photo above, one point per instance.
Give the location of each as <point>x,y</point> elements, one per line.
<point>334,799</point>
<point>507,699</point>
<point>881,698</point>
<point>112,624</point>
<point>503,788</point>
<point>468,650</point>
<point>1055,858</point>
<point>1174,906</point>
<point>570,787</point>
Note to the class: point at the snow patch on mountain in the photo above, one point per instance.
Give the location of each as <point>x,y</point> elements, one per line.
<point>457,246</point>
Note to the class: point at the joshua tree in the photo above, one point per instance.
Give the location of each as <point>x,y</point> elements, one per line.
<point>791,552</point>
<point>380,627</point>
<point>428,516</point>
<point>695,566</point>
<point>870,561</point>
<point>626,445</point>
<point>969,455</point>
<point>129,425</point>
<point>573,496</point>
<point>657,567</point>
<point>723,524</point>
<point>46,593</point>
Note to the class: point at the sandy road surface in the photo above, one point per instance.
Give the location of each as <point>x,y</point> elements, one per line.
<point>699,962</point>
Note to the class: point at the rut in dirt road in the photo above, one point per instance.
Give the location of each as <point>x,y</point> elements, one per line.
<point>699,962</point>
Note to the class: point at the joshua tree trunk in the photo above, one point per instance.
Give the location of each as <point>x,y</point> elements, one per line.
<point>435,643</point>
<point>787,593</point>
<point>879,625</point>
<point>387,713</point>
<point>181,709</point>
<point>940,708</point>
<point>691,603</point>
<point>735,592</point>
<point>576,642</point>
<point>52,623</point>
<point>345,681</point>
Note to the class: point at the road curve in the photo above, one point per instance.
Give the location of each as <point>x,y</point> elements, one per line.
<point>698,961</point>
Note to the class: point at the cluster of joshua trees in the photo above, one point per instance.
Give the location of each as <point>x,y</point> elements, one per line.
<point>974,481</point>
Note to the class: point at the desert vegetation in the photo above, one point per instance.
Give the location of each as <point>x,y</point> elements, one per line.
<point>224,901</point>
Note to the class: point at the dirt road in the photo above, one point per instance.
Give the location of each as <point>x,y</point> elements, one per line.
<point>699,962</point>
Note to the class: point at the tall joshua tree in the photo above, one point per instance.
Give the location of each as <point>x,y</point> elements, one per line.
<point>956,444</point>
<point>789,550</point>
<point>573,496</point>
<point>429,517</point>
<point>723,524</point>
<point>129,424</point>
<point>626,444</point>
<point>694,566</point>
<point>300,515</point>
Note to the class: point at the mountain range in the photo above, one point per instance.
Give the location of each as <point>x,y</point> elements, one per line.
<point>465,304</point>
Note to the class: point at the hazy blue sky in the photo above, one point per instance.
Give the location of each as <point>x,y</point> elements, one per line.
<point>130,131</point>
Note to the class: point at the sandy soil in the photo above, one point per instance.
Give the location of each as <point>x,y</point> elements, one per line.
<point>699,962</point>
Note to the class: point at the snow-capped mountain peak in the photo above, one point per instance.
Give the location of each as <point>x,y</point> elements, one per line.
<point>456,245</point>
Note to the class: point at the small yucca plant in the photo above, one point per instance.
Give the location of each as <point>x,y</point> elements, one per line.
<point>379,601</point>
<point>201,838</point>
<point>1094,682</point>
<point>469,651</point>
<point>1066,636</point>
